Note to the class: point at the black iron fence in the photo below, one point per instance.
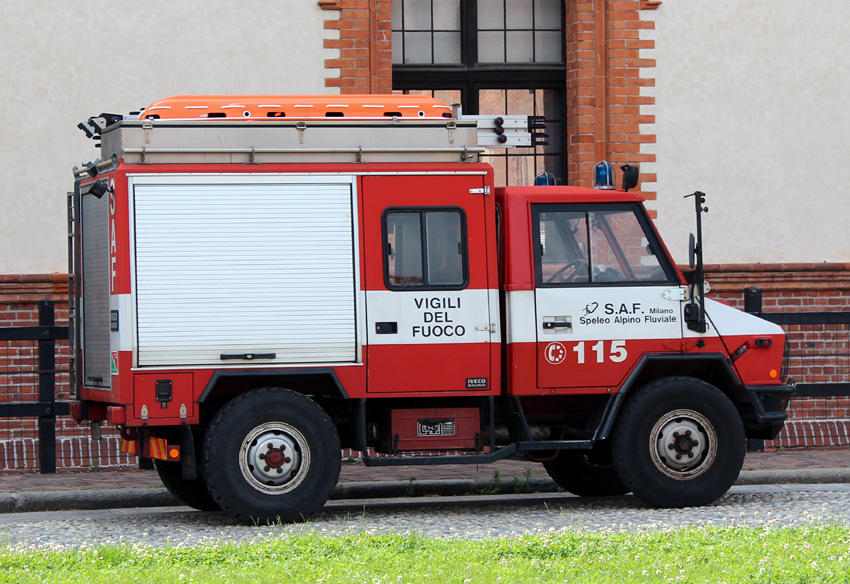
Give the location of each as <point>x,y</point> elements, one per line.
<point>31,397</point>
<point>29,366</point>
<point>818,347</point>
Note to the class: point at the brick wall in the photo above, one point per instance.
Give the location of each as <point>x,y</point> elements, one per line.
<point>815,422</point>
<point>610,84</point>
<point>19,297</point>
<point>819,353</point>
<point>364,43</point>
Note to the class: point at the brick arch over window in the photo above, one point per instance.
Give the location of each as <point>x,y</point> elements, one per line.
<point>610,87</point>
<point>609,76</point>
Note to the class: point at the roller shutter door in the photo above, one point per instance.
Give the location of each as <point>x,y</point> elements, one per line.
<point>235,269</point>
<point>95,300</point>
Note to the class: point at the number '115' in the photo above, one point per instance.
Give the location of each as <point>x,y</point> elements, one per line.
<point>617,351</point>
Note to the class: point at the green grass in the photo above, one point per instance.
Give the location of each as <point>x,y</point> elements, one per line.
<point>818,553</point>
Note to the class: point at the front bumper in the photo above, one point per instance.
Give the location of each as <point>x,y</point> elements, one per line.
<point>769,404</point>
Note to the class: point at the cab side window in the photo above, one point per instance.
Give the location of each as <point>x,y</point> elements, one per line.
<point>563,251</point>
<point>425,249</point>
<point>584,245</point>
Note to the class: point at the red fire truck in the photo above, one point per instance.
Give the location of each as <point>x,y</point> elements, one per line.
<point>258,282</point>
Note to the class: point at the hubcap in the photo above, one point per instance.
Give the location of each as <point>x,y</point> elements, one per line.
<point>683,444</point>
<point>274,458</point>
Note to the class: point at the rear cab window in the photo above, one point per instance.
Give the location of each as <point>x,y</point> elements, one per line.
<point>425,248</point>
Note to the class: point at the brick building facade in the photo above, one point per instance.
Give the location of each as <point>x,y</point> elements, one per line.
<point>608,70</point>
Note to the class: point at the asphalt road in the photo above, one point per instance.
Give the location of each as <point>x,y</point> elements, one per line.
<point>457,517</point>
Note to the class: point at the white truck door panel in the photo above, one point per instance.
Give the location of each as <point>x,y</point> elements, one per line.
<point>601,276</point>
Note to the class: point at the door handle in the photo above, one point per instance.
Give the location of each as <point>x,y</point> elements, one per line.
<point>246,356</point>
<point>557,324</point>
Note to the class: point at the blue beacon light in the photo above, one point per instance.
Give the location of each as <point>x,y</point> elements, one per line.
<point>545,178</point>
<point>603,175</point>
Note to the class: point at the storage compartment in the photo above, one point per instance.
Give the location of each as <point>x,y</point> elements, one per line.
<point>243,270</point>
<point>163,395</point>
<point>435,429</point>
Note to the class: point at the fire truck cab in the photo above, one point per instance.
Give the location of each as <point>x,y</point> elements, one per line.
<point>260,281</point>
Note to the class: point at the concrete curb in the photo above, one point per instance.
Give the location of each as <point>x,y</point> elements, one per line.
<point>35,501</point>
<point>796,477</point>
<point>78,500</point>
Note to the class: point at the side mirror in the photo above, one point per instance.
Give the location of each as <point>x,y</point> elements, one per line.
<point>691,251</point>
<point>631,176</point>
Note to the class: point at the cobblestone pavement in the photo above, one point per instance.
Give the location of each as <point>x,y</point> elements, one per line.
<point>444,517</point>
<point>356,471</point>
<point>461,516</point>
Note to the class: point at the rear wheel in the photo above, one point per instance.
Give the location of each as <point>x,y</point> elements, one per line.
<point>587,473</point>
<point>679,442</point>
<point>192,493</point>
<point>271,455</point>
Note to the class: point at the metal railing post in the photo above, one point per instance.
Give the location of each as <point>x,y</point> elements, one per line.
<point>752,300</point>
<point>46,391</point>
<point>753,305</point>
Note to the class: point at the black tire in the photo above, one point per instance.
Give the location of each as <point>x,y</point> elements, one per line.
<point>684,417</point>
<point>192,493</point>
<point>586,473</point>
<point>291,437</point>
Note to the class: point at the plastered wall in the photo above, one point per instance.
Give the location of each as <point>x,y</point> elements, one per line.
<point>65,61</point>
<point>753,107</point>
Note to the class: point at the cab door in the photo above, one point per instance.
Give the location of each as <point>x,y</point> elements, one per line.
<point>430,323</point>
<point>604,294</point>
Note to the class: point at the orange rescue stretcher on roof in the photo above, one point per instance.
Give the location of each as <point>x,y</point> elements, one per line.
<point>297,107</point>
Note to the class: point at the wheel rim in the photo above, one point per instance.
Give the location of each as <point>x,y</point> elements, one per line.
<point>274,458</point>
<point>683,444</point>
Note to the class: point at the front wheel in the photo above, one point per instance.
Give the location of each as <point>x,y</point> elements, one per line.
<point>271,455</point>
<point>679,442</point>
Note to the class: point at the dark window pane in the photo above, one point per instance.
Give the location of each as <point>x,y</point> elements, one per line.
<point>436,260</point>
<point>547,14</point>
<point>396,15</point>
<point>491,47</point>
<point>446,47</point>
<point>447,15</point>
<point>397,48</point>
<point>491,102</point>
<point>417,47</point>
<point>535,28</point>
<point>520,166</point>
<point>553,165</point>
<point>491,14</point>
<point>447,96</point>
<point>562,253</point>
<point>519,14</point>
<point>548,47</point>
<point>417,15</point>
<point>620,250</point>
<point>404,249</point>
<point>519,102</point>
<point>445,252</point>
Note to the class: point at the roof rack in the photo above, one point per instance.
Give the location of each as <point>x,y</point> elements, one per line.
<point>313,128</point>
<point>299,107</point>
